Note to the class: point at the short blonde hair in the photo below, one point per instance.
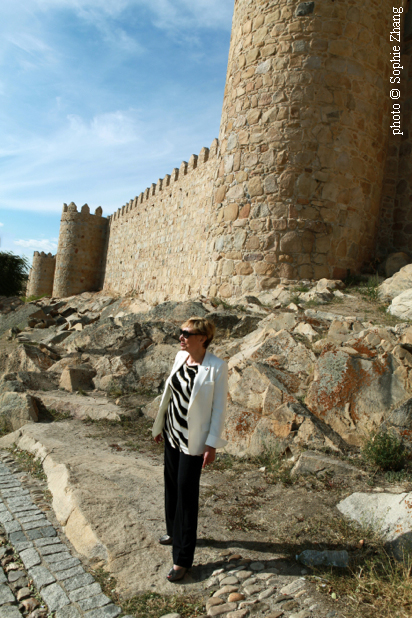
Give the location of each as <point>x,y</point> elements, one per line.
<point>201,326</point>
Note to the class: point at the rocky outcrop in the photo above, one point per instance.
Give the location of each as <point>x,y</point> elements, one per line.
<point>16,410</point>
<point>297,377</point>
<point>398,283</point>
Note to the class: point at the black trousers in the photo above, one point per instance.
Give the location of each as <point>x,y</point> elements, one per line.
<point>182,479</point>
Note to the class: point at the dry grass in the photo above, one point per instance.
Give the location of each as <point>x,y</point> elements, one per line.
<point>150,604</point>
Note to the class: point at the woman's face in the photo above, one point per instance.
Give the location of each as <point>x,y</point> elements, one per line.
<point>191,342</point>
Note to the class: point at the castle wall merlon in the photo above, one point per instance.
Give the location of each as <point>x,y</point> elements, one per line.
<point>192,165</point>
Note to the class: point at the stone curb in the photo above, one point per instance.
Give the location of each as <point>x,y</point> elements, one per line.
<point>65,587</point>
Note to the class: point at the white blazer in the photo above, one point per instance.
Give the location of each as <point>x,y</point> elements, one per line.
<point>207,404</point>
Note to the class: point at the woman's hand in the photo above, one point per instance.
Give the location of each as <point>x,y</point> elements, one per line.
<point>158,438</point>
<point>209,455</point>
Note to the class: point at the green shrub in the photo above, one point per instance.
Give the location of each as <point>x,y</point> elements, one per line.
<point>385,451</point>
<point>13,273</point>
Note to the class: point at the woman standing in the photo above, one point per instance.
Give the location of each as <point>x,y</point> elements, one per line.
<point>191,419</point>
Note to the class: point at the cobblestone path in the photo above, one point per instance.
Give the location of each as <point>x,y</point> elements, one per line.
<point>64,586</point>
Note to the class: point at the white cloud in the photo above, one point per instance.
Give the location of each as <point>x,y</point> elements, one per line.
<point>48,246</point>
<point>1,224</point>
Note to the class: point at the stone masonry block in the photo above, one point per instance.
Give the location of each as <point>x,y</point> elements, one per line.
<point>55,597</point>
<point>41,576</point>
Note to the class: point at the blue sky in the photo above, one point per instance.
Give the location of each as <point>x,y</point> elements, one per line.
<point>100,98</point>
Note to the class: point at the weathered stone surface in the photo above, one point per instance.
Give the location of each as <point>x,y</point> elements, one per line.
<point>6,595</point>
<point>95,406</point>
<point>17,409</point>
<point>314,463</point>
<point>9,611</point>
<point>55,597</point>
<point>30,558</point>
<point>398,283</point>
<point>41,576</point>
<point>401,305</point>
<point>28,358</point>
<point>77,378</point>
<point>389,514</point>
<point>353,395</point>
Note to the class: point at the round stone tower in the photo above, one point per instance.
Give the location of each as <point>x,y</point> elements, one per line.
<point>303,141</point>
<point>41,275</point>
<point>80,253</point>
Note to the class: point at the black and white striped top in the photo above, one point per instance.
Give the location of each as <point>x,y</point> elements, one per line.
<point>176,431</point>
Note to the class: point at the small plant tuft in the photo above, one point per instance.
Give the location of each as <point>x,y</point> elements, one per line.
<point>385,451</point>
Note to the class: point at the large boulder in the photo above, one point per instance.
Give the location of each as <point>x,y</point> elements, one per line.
<point>16,410</point>
<point>28,358</point>
<point>353,394</point>
<point>388,514</point>
<point>77,379</point>
<point>395,285</point>
<point>401,305</point>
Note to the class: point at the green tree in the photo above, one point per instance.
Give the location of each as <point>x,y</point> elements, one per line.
<point>13,273</point>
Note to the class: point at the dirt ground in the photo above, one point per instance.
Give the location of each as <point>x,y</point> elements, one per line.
<point>257,508</point>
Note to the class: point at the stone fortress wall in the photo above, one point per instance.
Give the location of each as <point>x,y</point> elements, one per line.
<point>41,277</point>
<point>306,180</point>
<point>159,240</point>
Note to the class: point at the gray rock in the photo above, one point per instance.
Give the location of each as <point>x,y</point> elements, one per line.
<point>33,525</point>
<point>256,566</point>
<point>64,564</point>
<point>23,545</point>
<point>93,602</point>
<point>110,611</point>
<point>30,558</point>
<point>41,576</point>
<point>55,597</point>
<point>388,514</point>
<point>69,611</point>
<point>6,595</point>
<point>83,579</point>
<point>314,463</point>
<point>3,577</point>
<point>87,591</point>
<point>8,611</point>
<point>293,587</point>
<point>17,537</point>
<point>5,516</point>
<point>47,541</point>
<point>61,556</point>
<point>55,548</point>
<point>171,616</point>
<point>70,572</point>
<point>13,576</point>
<point>28,518</point>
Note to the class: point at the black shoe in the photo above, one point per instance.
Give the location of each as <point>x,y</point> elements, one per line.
<point>175,574</point>
<point>166,540</point>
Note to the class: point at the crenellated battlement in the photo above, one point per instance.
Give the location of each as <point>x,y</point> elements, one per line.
<point>186,167</point>
<point>85,210</point>
<point>42,254</point>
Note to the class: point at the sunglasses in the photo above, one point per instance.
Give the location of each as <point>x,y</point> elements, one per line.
<point>186,334</point>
